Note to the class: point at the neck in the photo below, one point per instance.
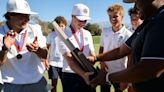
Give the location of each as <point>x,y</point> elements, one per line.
<point>76,30</point>
<point>117,28</point>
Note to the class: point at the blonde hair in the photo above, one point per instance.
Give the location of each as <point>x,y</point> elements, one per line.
<point>116,8</point>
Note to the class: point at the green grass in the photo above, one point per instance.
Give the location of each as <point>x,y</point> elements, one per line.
<point>96,40</point>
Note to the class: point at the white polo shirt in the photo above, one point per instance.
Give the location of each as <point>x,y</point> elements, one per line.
<point>29,68</point>
<point>110,40</point>
<point>88,46</point>
<point>55,56</point>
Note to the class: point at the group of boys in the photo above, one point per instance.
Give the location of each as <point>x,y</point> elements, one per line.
<point>24,50</point>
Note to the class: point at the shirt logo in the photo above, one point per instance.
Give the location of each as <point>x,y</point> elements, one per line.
<point>30,34</point>
<point>85,11</point>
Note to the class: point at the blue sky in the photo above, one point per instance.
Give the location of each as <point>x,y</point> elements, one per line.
<point>49,9</point>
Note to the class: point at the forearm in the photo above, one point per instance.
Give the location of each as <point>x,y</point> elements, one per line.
<point>114,54</point>
<point>138,73</point>
<point>3,55</point>
<point>73,65</point>
<point>110,55</point>
<point>42,53</point>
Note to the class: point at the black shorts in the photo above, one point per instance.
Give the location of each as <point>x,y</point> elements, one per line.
<point>54,72</point>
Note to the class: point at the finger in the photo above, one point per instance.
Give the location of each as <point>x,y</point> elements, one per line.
<point>29,47</point>
<point>33,45</point>
<point>90,73</point>
<point>35,40</point>
<point>11,33</point>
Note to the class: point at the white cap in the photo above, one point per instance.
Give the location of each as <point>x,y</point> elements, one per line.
<point>81,11</point>
<point>128,1</point>
<point>19,6</point>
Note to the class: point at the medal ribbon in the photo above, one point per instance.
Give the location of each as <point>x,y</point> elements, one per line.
<point>78,42</point>
<point>19,45</point>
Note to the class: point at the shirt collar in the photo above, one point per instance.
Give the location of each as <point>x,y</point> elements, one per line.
<point>6,29</point>
<point>121,30</point>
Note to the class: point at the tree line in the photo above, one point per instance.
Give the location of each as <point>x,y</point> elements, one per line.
<point>47,27</point>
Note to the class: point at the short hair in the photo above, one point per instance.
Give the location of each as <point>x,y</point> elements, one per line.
<point>116,8</point>
<point>133,11</point>
<point>60,19</point>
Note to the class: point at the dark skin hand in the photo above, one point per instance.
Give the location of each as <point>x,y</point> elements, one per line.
<point>34,47</point>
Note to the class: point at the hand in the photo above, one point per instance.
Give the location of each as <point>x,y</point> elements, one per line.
<point>91,59</point>
<point>86,77</point>
<point>123,86</point>
<point>9,39</point>
<point>33,47</point>
<point>100,79</point>
<point>104,67</point>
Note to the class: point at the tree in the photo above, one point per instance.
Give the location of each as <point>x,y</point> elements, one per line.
<point>93,28</point>
<point>2,23</point>
<point>44,25</point>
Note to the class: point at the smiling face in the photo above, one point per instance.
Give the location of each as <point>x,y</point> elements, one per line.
<point>115,13</point>
<point>115,18</point>
<point>78,24</point>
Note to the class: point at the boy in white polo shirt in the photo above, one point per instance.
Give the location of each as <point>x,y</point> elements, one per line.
<point>55,58</point>
<point>22,47</point>
<point>73,75</point>
<point>112,38</point>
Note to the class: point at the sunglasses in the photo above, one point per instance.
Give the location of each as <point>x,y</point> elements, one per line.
<point>81,21</point>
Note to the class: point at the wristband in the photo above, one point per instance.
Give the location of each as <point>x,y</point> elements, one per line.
<point>107,78</point>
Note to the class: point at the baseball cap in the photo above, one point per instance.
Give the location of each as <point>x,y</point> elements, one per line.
<point>19,6</point>
<point>128,1</point>
<point>81,11</point>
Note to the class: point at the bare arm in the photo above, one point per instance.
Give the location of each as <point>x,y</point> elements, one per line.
<point>140,72</point>
<point>34,47</point>
<point>42,53</point>
<point>101,50</point>
<point>72,64</point>
<point>129,60</point>
<point>102,64</point>
<point>3,55</point>
<point>8,40</point>
<point>114,54</point>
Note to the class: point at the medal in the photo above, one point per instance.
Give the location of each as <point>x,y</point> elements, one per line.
<point>19,45</point>
<point>19,56</point>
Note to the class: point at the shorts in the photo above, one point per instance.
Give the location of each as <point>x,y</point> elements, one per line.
<point>75,83</point>
<point>54,72</point>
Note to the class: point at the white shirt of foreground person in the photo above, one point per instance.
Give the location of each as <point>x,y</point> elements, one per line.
<point>110,40</point>
<point>29,68</point>
<point>88,45</point>
<point>55,56</point>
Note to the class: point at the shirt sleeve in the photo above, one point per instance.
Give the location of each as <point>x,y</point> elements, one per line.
<point>62,47</point>
<point>40,37</point>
